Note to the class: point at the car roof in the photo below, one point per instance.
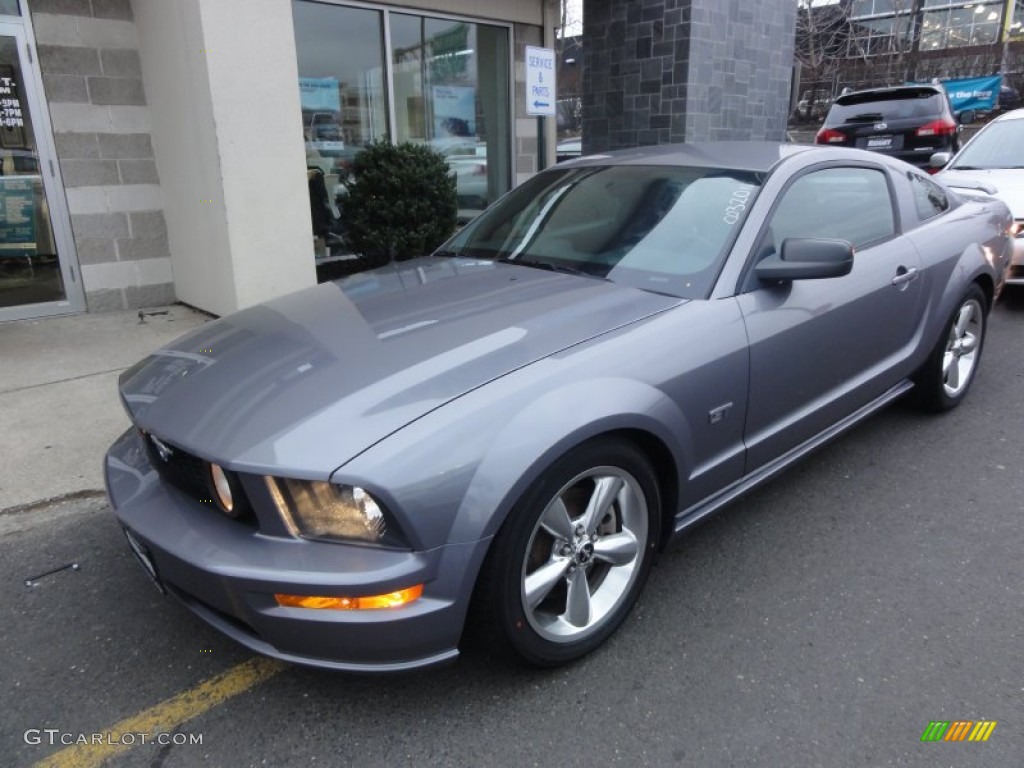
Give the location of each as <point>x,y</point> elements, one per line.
<point>1014,114</point>
<point>756,156</point>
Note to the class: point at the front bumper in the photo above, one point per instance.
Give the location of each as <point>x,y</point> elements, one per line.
<point>227,573</point>
<point>1015,272</point>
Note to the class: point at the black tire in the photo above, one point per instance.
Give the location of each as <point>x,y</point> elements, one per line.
<point>538,634</point>
<point>938,387</point>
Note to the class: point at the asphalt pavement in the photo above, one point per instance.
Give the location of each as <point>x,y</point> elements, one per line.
<point>825,620</point>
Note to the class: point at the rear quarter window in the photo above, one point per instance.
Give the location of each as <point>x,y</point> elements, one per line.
<point>929,198</point>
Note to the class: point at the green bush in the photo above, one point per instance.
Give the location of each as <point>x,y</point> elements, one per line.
<point>401,202</point>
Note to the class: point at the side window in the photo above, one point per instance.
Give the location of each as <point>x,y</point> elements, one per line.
<point>852,204</point>
<point>929,198</point>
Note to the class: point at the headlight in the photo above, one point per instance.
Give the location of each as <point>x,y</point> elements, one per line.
<point>321,510</point>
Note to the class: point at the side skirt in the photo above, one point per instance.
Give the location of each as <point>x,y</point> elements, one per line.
<point>745,484</point>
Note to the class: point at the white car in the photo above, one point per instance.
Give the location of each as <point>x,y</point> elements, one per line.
<point>993,163</point>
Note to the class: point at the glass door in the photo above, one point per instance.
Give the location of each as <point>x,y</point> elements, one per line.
<point>38,275</point>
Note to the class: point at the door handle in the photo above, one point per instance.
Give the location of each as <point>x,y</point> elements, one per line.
<point>904,276</point>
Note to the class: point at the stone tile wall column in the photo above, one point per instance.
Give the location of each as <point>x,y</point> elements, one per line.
<point>661,71</point>
<point>89,59</point>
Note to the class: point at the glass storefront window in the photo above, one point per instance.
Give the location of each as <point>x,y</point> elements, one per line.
<point>30,270</point>
<point>1016,26</point>
<point>451,92</point>
<point>975,24</point>
<point>344,103</point>
<point>9,8</point>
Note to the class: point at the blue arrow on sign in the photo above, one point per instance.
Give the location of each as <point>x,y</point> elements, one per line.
<point>538,104</point>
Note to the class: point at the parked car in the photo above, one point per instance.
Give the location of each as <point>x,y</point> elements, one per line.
<point>511,429</point>
<point>568,149</point>
<point>468,162</point>
<point>993,163</point>
<point>1009,98</point>
<point>910,122</point>
<point>813,104</point>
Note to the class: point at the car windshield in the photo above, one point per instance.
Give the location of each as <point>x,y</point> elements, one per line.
<point>1000,145</point>
<point>893,105</point>
<point>664,229</point>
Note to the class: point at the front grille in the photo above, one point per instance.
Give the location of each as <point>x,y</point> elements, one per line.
<point>190,474</point>
<point>181,469</point>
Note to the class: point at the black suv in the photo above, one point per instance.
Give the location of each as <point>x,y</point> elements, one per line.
<point>910,122</point>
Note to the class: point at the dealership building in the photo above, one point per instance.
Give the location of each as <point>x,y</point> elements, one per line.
<point>154,151</point>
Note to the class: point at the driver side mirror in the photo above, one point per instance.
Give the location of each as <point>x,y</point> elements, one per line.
<point>939,160</point>
<point>807,259</point>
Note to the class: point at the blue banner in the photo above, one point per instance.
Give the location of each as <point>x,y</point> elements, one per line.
<point>978,93</point>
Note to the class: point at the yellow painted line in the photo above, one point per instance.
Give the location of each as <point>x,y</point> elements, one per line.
<point>168,715</point>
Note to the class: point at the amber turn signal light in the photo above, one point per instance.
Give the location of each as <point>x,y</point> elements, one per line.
<point>390,600</point>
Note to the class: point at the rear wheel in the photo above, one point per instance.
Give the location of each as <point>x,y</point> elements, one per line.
<point>569,563</point>
<point>943,381</point>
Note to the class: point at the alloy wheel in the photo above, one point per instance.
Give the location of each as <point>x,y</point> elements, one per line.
<point>961,353</point>
<point>584,554</point>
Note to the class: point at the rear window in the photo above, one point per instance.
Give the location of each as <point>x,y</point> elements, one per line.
<point>893,105</point>
<point>929,198</point>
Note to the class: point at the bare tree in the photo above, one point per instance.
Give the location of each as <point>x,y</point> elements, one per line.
<point>823,34</point>
<point>887,56</point>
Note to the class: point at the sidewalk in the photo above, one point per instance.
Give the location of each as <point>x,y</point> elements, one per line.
<point>59,407</point>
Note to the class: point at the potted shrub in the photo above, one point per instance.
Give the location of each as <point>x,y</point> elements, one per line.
<point>400,204</point>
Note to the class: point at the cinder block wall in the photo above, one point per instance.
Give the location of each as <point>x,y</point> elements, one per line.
<point>88,55</point>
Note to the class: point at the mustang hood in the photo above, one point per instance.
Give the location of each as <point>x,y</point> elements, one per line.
<point>302,384</point>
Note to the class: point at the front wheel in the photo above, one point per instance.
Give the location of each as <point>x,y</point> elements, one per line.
<point>570,561</point>
<point>943,381</point>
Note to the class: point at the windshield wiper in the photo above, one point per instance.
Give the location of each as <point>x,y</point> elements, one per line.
<point>564,268</point>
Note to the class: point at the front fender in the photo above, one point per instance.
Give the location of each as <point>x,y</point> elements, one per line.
<point>550,427</point>
<point>453,475</point>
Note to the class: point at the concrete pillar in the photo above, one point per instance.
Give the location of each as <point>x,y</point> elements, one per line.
<point>661,71</point>
<point>222,82</point>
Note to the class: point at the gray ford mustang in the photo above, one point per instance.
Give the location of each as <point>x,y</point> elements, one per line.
<point>506,432</point>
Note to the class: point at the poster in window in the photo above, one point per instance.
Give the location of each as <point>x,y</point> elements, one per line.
<point>454,111</point>
<point>18,215</point>
<point>12,115</point>
<point>319,94</point>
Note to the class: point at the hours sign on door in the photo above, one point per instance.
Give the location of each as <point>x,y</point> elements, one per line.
<point>540,81</point>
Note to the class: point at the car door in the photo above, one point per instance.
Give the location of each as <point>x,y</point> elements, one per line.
<point>820,349</point>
